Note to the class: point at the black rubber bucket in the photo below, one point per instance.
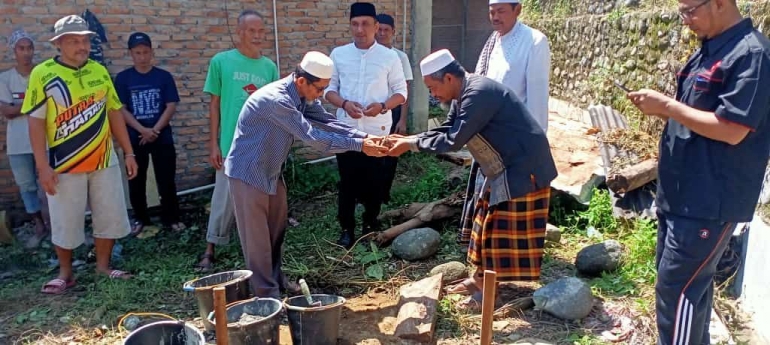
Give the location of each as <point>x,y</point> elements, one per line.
<point>167,333</point>
<point>263,329</point>
<point>316,325</point>
<point>236,284</point>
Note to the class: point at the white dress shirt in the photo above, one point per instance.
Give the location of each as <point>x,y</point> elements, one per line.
<point>367,76</point>
<point>521,60</point>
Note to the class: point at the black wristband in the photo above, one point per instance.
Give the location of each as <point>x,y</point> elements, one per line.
<point>343,104</point>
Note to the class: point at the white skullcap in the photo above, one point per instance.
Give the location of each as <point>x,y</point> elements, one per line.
<point>317,64</point>
<point>436,61</point>
<point>492,2</point>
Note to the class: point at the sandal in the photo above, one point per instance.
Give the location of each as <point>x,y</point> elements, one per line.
<point>178,226</point>
<point>57,286</point>
<point>136,228</point>
<point>205,268</point>
<point>472,304</point>
<point>292,288</point>
<point>465,287</point>
<point>117,274</point>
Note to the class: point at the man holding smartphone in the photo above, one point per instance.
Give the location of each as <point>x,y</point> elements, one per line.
<point>713,154</point>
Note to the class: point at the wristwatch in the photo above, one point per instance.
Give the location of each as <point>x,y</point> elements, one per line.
<point>384,108</point>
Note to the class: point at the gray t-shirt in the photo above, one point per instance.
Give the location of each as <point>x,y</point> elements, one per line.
<point>12,88</point>
<point>405,64</point>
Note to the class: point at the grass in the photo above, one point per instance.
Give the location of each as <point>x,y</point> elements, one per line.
<point>163,263</point>
<point>635,278</point>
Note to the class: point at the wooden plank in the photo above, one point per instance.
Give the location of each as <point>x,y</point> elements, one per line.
<point>488,306</point>
<point>418,306</point>
<point>633,177</point>
<point>5,229</point>
<point>220,315</point>
<point>462,157</point>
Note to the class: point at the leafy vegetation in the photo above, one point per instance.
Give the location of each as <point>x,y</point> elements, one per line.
<point>162,263</point>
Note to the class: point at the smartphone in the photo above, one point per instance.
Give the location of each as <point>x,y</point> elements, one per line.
<point>619,85</point>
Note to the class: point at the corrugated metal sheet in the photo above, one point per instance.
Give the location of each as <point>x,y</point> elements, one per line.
<point>636,203</point>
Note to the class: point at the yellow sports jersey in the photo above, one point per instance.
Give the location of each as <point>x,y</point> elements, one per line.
<point>74,103</point>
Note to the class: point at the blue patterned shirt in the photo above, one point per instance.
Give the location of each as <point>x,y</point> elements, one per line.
<point>272,118</point>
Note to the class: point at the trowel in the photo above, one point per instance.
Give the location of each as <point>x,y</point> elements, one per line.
<point>306,292</point>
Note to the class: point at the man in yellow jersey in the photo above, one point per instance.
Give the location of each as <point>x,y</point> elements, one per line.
<point>73,108</point>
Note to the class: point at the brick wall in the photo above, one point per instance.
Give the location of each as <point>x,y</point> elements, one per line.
<point>186,34</point>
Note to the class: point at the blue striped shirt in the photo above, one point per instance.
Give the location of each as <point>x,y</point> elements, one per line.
<point>271,119</point>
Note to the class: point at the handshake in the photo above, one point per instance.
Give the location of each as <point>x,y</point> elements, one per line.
<point>390,145</point>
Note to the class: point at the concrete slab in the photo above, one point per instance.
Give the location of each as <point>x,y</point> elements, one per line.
<point>753,279</point>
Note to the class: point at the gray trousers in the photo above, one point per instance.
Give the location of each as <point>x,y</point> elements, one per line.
<point>221,217</point>
<point>262,221</point>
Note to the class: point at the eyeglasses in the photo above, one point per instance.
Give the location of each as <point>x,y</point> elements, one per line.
<point>687,13</point>
<point>319,88</point>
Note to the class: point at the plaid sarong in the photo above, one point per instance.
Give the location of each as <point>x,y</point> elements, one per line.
<point>509,237</point>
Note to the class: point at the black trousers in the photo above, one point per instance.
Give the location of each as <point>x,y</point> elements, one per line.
<point>688,251</point>
<point>366,180</point>
<point>363,179</point>
<point>164,164</point>
<point>391,163</point>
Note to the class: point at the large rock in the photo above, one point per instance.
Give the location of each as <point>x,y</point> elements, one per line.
<point>417,244</point>
<point>568,298</point>
<point>598,258</point>
<point>452,271</point>
<point>552,233</point>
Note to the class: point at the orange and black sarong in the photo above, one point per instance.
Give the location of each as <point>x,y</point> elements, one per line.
<point>509,237</point>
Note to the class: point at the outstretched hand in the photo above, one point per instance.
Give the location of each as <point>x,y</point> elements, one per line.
<point>398,144</point>
<point>375,147</point>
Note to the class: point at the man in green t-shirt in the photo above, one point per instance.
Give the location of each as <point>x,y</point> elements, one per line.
<point>233,75</point>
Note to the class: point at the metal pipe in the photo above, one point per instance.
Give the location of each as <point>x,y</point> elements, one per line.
<point>403,28</point>
<point>275,33</point>
<point>319,160</point>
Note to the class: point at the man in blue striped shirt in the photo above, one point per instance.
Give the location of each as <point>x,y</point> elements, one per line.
<point>272,118</point>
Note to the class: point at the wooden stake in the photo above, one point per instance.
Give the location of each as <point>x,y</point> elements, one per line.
<point>488,306</point>
<point>220,315</point>
<point>6,235</point>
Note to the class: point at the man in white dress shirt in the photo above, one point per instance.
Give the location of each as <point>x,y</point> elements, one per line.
<point>517,56</point>
<point>368,82</point>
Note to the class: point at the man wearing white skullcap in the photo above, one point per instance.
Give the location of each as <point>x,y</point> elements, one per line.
<point>512,151</point>
<point>517,56</point>
<point>272,118</point>
<point>13,84</point>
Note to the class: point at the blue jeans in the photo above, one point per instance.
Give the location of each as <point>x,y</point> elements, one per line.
<point>25,174</point>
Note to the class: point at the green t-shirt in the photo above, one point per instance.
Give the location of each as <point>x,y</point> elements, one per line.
<point>233,77</point>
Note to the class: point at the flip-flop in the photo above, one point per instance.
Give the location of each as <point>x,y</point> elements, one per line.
<point>118,274</point>
<point>292,288</point>
<point>57,286</point>
<point>178,226</point>
<point>205,268</point>
<point>136,228</point>
<point>466,287</point>
<point>472,304</point>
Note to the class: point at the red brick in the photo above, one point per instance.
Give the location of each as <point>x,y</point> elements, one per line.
<point>34,10</point>
<point>187,34</point>
<point>23,20</point>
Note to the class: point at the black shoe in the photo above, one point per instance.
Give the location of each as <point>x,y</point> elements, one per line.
<point>346,239</point>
